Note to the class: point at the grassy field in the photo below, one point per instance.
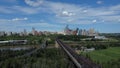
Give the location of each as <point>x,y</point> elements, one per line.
<point>112,53</point>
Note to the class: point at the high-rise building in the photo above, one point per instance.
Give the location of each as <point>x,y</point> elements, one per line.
<point>90,32</point>
<point>33,31</point>
<point>25,32</point>
<point>68,31</point>
<point>9,33</point>
<point>2,33</point>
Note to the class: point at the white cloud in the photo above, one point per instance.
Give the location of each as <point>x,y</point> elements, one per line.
<point>19,19</point>
<point>65,14</point>
<point>99,2</point>
<point>84,11</point>
<point>34,3</point>
<point>6,26</point>
<point>70,20</point>
<point>94,21</point>
<point>68,13</point>
<point>41,24</point>
<point>108,14</point>
<point>14,19</point>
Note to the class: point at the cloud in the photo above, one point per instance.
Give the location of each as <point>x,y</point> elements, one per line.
<point>94,21</point>
<point>25,10</point>
<point>9,1</point>
<point>19,9</point>
<point>19,26</point>
<point>108,14</point>
<point>34,3</point>
<point>99,2</point>
<point>19,19</point>
<point>66,13</point>
<point>14,19</point>
<point>84,11</point>
<point>119,20</point>
<point>6,10</point>
<point>41,24</point>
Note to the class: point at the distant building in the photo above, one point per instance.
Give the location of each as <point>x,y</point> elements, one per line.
<point>9,33</point>
<point>90,32</point>
<point>68,31</point>
<point>40,33</point>
<point>2,33</point>
<point>33,31</point>
<point>100,37</point>
<point>25,32</point>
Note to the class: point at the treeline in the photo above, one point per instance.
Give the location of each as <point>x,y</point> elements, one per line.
<point>96,43</point>
<point>32,39</point>
<point>93,44</point>
<point>73,37</point>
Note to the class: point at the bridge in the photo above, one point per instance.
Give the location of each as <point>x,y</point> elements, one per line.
<point>78,60</point>
<point>43,46</point>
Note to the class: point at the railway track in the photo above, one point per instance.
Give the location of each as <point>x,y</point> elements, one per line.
<point>79,60</point>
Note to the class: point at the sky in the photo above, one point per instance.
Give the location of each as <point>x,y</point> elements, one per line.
<point>54,15</point>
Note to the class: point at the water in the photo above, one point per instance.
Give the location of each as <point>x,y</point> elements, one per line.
<point>16,48</point>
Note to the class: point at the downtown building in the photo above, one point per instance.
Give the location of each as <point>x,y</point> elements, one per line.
<point>68,31</point>
<point>77,31</point>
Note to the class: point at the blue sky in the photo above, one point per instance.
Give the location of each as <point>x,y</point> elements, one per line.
<point>54,15</point>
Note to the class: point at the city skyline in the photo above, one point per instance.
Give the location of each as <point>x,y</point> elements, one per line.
<point>54,15</point>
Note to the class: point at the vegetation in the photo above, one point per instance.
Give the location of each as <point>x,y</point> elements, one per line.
<point>43,58</point>
<point>5,54</point>
<point>32,40</point>
<point>73,37</point>
<point>108,58</point>
<point>106,53</point>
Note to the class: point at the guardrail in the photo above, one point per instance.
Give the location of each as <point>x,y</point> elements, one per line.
<point>79,60</point>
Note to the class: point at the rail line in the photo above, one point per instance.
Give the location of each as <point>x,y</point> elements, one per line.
<point>79,60</point>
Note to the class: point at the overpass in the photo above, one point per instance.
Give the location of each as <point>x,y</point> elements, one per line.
<point>78,60</point>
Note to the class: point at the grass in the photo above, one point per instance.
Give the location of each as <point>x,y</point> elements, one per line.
<point>112,53</point>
